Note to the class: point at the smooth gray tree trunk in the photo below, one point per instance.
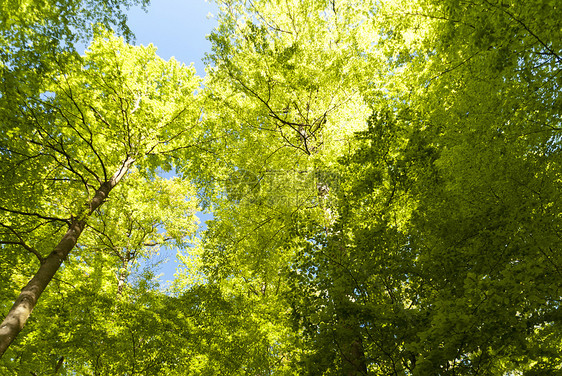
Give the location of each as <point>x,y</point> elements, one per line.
<point>23,306</point>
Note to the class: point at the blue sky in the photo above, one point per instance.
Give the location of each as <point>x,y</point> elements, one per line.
<point>177,28</point>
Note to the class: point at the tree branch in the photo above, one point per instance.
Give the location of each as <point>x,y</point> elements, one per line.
<point>32,214</point>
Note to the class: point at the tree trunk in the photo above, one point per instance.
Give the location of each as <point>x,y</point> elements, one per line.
<point>23,306</point>
<point>354,362</point>
<point>122,276</point>
<point>350,342</point>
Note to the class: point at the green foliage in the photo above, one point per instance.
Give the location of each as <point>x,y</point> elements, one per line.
<point>415,262</point>
<point>384,179</point>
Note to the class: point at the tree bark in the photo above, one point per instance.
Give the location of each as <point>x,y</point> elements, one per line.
<point>354,362</point>
<point>23,306</point>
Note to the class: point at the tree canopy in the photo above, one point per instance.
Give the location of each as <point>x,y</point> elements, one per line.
<point>384,179</point>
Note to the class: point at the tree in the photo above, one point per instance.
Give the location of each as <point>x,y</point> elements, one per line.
<point>465,124</point>
<point>73,145</point>
<point>478,94</point>
<point>287,111</point>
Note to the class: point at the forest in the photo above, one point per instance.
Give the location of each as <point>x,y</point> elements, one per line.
<point>384,179</point>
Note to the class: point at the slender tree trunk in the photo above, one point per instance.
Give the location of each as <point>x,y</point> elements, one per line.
<point>350,342</point>
<point>23,306</point>
<point>354,362</point>
<point>352,352</point>
<point>122,276</point>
